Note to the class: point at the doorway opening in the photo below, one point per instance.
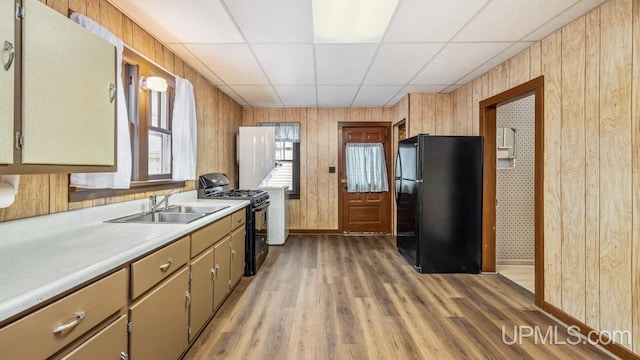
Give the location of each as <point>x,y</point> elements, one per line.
<point>515,173</point>
<point>498,152</point>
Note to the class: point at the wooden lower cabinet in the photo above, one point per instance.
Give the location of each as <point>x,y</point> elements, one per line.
<point>222,255</point>
<point>237,245</point>
<point>50,329</point>
<point>202,280</point>
<point>108,344</point>
<point>159,320</point>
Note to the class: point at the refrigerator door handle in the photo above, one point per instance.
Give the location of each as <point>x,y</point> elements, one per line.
<point>398,167</point>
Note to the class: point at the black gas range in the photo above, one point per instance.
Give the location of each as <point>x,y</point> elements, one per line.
<point>216,186</point>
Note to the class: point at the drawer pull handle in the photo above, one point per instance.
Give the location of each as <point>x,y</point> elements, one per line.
<point>166,266</point>
<point>70,325</point>
<point>239,220</point>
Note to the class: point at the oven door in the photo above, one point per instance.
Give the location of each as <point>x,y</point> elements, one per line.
<point>261,249</point>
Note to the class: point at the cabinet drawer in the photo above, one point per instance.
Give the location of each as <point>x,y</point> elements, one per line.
<point>109,344</point>
<point>238,218</point>
<point>147,272</point>
<point>41,334</point>
<point>204,238</point>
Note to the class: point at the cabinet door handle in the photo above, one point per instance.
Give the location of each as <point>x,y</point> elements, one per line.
<point>233,254</point>
<point>124,356</point>
<point>8,47</point>
<point>166,266</point>
<point>213,274</point>
<point>112,92</point>
<point>188,296</point>
<point>70,325</point>
<point>217,270</point>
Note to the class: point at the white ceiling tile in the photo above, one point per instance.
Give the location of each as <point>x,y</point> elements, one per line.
<point>511,20</point>
<point>361,21</point>
<point>194,62</point>
<point>375,95</point>
<point>395,64</point>
<point>206,20</point>
<point>431,20</point>
<point>499,59</point>
<point>455,61</point>
<point>336,95</point>
<point>273,20</point>
<point>571,14</point>
<point>424,89</point>
<point>258,95</point>
<point>343,64</point>
<point>232,94</point>
<point>287,64</point>
<point>233,63</point>
<point>297,95</point>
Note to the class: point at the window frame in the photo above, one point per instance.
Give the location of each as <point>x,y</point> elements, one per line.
<point>139,126</point>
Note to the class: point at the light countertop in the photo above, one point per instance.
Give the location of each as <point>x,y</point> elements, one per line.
<point>45,256</point>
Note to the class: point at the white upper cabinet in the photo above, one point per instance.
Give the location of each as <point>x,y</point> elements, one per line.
<point>67,99</point>
<point>7,69</point>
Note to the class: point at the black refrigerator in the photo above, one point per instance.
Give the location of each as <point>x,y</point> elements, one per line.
<point>439,203</point>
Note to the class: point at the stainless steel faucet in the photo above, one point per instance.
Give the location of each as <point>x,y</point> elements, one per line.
<point>154,204</point>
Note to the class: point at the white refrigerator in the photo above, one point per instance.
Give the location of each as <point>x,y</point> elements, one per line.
<point>256,154</point>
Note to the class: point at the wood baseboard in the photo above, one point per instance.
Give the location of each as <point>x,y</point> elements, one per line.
<point>314,232</point>
<point>515,262</point>
<point>586,330</point>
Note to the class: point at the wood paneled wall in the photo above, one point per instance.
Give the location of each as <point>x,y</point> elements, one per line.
<point>317,208</point>
<point>218,118</point>
<point>591,159</point>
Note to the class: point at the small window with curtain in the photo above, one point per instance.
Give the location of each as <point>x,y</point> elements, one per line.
<point>150,93</point>
<point>287,156</point>
<point>366,167</point>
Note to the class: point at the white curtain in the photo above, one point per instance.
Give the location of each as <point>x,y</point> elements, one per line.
<point>366,168</point>
<point>184,133</point>
<point>121,179</point>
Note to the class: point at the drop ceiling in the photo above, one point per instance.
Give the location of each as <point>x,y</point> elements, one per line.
<point>264,53</point>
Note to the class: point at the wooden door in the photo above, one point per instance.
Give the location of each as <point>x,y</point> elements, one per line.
<point>222,265</point>
<point>364,212</point>
<point>237,255</point>
<point>7,45</point>
<point>201,306</point>
<point>159,321</point>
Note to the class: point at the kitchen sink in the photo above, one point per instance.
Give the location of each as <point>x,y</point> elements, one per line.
<point>177,214</point>
<point>194,209</point>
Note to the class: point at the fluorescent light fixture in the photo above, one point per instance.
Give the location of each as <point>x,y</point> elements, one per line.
<point>350,21</point>
<point>153,83</point>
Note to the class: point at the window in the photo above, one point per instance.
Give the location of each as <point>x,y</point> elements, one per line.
<point>287,156</point>
<point>150,115</point>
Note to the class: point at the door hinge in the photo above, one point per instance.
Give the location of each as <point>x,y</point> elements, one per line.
<point>129,327</point>
<point>19,141</point>
<point>19,11</point>
<point>190,275</point>
<point>229,282</point>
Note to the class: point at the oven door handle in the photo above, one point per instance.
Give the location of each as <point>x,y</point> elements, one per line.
<point>261,207</point>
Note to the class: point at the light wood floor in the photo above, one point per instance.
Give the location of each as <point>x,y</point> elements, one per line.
<point>335,297</point>
<point>523,275</point>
